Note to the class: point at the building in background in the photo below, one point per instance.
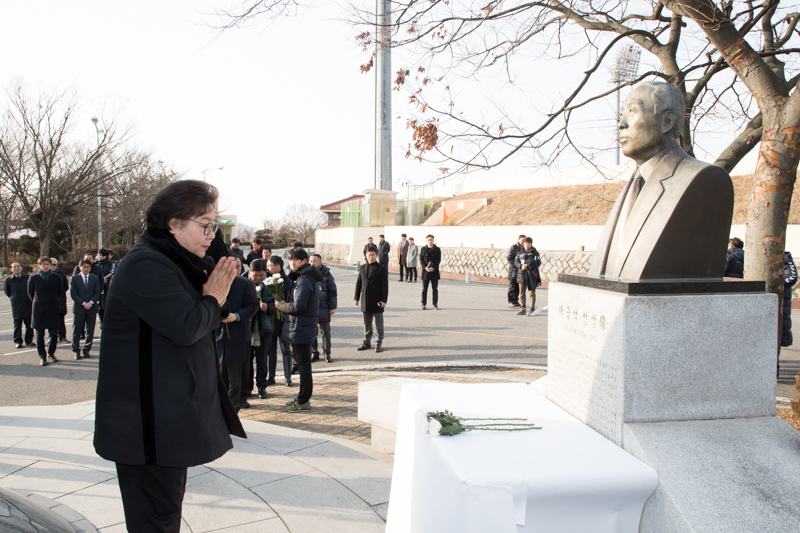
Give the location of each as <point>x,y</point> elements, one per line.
<point>334,209</point>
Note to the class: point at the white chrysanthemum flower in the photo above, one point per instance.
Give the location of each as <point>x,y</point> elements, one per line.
<point>434,426</point>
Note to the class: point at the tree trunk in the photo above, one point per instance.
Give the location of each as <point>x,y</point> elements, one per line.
<point>5,250</point>
<point>44,242</point>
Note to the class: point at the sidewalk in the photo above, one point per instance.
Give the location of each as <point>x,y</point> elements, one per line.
<point>278,480</point>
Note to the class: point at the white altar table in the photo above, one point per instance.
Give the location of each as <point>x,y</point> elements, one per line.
<point>564,477</point>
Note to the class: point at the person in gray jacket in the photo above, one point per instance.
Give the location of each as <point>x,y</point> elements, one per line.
<point>411,261</point>
<point>327,307</point>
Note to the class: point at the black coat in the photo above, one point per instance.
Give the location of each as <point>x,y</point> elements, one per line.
<point>243,301</point>
<point>266,318</point>
<point>108,268</point>
<point>372,287</point>
<point>45,295</point>
<point>790,280</point>
<point>17,291</point>
<point>328,297</point>
<point>430,256</point>
<point>252,255</point>
<point>734,263</point>
<point>82,293</point>
<point>62,300</point>
<point>383,253</point>
<point>238,252</point>
<point>302,306</point>
<point>160,398</point>
<point>530,276</point>
<point>512,258</point>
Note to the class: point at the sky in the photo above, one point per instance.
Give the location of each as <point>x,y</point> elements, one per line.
<point>282,107</point>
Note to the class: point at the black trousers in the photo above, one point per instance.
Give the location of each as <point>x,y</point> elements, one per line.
<point>18,322</point>
<point>302,354</point>
<point>152,497</point>
<point>53,344</point>
<point>232,376</point>
<point>435,286</point>
<point>80,323</point>
<point>62,327</point>
<point>411,271</point>
<point>403,267</point>
<point>272,358</point>
<point>325,329</point>
<point>513,289</point>
<point>259,353</point>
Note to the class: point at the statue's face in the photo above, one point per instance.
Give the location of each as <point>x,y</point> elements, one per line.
<point>641,131</point>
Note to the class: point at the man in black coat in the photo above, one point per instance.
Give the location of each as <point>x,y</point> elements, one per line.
<point>85,292</point>
<point>383,253</point>
<point>513,286</point>
<point>16,288</point>
<point>372,291</point>
<point>369,243</point>
<point>328,300</point>
<point>235,250</point>
<point>430,257</point>
<point>255,253</point>
<point>44,290</point>
<point>235,329</point>
<point>302,316</point>
<point>734,259</point>
<point>62,301</point>
<point>527,263</point>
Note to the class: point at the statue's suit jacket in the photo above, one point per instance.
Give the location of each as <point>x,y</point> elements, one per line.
<point>678,227</point>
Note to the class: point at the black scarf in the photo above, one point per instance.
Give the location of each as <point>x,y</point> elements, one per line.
<point>195,268</point>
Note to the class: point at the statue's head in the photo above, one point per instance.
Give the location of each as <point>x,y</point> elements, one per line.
<point>651,119</point>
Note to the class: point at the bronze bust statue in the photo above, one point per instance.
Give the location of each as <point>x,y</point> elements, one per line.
<point>672,219</point>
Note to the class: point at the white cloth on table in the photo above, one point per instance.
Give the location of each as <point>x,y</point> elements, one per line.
<point>563,478</point>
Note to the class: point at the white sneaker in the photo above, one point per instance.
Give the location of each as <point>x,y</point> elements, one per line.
<point>537,311</point>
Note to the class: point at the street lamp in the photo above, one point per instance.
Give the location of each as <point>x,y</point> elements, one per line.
<point>99,191</point>
<point>210,170</point>
<point>625,72</point>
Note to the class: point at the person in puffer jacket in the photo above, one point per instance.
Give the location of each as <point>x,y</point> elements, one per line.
<point>327,307</point>
<point>790,280</point>
<point>302,316</point>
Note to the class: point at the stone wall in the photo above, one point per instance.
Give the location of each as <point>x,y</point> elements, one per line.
<point>333,252</point>
<point>492,263</point>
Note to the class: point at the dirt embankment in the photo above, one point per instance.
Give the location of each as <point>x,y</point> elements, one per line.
<point>581,205</point>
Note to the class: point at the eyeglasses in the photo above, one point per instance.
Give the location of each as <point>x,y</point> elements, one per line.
<point>209,228</point>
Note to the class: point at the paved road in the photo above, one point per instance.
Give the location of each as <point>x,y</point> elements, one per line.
<point>473,324</point>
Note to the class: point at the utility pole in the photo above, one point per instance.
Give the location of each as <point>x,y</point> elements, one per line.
<point>383,97</point>
<point>99,191</point>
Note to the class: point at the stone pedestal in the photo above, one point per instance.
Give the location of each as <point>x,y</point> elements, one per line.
<point>682,376</point>
<point>614,357</point>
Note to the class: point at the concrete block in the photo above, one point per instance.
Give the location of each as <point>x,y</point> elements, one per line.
<point>379,400</point>
<point>614,358</point>
<point>720,476</point>
<point>383,440</point>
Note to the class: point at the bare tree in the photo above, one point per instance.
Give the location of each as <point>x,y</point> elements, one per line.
<point>303,220</point>
<point>247,232</point>
<point>46,172</point>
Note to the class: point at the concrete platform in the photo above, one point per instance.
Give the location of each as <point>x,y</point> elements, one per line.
<point>277,480</point>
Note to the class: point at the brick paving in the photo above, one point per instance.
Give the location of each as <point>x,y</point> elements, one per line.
<point>334,404</point>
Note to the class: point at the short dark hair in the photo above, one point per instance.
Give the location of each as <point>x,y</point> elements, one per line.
<point>317,255</point>
<point>87,262</point>
<point>276,260</point>
<point>369,238</point>
<point>381,236</point>
<point>521,237</point>
<point>182,200</point>
<point>528,239</point>
<point>411,238</point>
<point>266,248</point>
<point>297,253</point>
<point>403,235</point>
<point>736,242</point>
<point>257,241</point>
<point>258,265</point>
<point>429,235</point>
<point>297,244</point>
<point>372,248</point>
<point>44,260</point>
<point>103,252</point>
<point>235,239</point>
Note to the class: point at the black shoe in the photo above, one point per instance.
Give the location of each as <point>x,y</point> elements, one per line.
<point>42,362</point>
<point>328,358</point>
<point>521,312</point>
<point>294,370</point>
<point>513,304</point>
<point>378,348</point>
<point>289,383</point>
<point>19,345</point>
<point>315,357</point>
<point>400,280</point>
<point>63,340</point>
<point>86,355</point>
<point>262,393</point>
<point>31,344</point>
<point>270,382</point>
<point>53,358</point>
<point>77,356</point>
<point>243,404</point>
<point>364,346</point>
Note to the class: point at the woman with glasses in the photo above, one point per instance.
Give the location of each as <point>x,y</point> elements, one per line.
<point>161,404</point>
